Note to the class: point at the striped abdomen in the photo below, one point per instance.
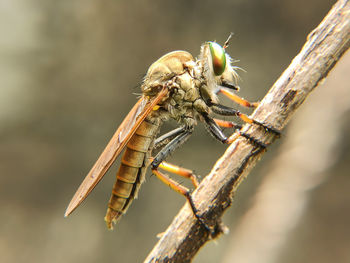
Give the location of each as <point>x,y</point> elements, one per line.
<point>132,170</point>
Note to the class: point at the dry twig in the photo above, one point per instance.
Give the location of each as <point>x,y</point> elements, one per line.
<point>307,158</point>
<point>323,48</point>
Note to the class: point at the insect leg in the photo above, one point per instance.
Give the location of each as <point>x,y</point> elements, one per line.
<point>183,191</point>
<point>170,147</point>
<point>165,138</point>
<point>227,124</point>
<point>227,111</point>
<point>216,131</point>
<point>180,171</point>
<point>231,124</point>
<point>160,157</point>
<point>227,85</point>
<point>175,169</point>
<point>171,167</point>
<point>236,98</point>
<point>158,161</point>
<point>170,182</point>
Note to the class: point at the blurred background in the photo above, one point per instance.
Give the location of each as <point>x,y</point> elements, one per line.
<point>69,74</point>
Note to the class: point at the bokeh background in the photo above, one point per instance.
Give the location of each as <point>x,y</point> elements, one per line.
<point>69,74</point>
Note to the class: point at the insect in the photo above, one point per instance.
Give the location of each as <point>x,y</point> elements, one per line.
<point>178,87</point>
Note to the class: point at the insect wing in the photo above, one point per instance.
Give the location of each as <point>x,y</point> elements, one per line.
<point>120,138</point>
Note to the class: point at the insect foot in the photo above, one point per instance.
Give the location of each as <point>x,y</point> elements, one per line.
<point>268,128</point>
<point>256,142</point>
<point>253,140</point>
<point>214,231</point>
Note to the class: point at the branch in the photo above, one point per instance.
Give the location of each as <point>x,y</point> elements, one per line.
<point>324,47</point>
<point>305,161</point>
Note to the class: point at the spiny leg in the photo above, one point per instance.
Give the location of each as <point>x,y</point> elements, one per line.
<point>236,98</point>
<point>161,156</point>
<point>227,124</point>
<point>183,191</point>
<point>231,124</point>
<point>165,138</point>
<point>170,182</point>
<point>216,131</point>
<point>175,169</point>
<point>227,111</point>
<point>186,173</point>
<point>170,147</point>
<point>223,110</point>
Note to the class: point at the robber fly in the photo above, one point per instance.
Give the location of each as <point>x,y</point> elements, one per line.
<point>178,87</point>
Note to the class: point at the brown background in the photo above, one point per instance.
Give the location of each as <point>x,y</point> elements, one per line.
<point>69,72</point>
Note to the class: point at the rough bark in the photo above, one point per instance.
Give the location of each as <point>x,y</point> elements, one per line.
<point>308,157</point>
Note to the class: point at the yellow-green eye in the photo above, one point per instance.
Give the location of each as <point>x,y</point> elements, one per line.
<point>218,58</point>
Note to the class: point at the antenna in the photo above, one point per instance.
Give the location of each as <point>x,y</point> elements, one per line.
<point>227,41</point>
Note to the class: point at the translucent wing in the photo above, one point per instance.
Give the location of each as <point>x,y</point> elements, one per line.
<point>120,138</point>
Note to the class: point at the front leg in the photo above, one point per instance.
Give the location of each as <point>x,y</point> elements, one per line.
<point>234,97</point>
<point>227,111</point>
<point>216,131</point>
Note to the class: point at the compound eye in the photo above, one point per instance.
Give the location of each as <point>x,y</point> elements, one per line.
<point>218,58</point>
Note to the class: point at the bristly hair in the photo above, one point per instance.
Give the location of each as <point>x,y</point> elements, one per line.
<point>137,86</point>
<point>231,61</point>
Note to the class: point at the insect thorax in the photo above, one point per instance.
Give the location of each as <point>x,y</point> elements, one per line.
<point>176,70</point>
